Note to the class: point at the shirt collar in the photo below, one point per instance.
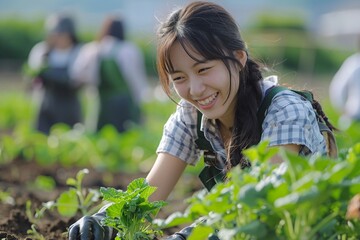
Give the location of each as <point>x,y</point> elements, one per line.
<point>211,133</point>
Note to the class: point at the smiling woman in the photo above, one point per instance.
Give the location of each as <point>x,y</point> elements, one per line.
<point>205,84</point>
<point>202,56</point>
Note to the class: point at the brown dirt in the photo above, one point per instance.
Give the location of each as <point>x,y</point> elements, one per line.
<point>17,177</point>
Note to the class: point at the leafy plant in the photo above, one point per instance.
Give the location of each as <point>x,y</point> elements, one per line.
<point>67,204</point>
<point>44,183</point>
<point>35,234</point>
<point>75,199</point>
<point>302,198</point>
<point>131,212</point>
<point>34,220</point>
<point>5,197</point>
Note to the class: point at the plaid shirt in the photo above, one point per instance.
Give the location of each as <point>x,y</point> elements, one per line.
<point>290,119</point>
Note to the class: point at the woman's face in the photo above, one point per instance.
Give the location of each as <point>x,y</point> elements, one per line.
<point>205,84</point>
<point>62,40</point>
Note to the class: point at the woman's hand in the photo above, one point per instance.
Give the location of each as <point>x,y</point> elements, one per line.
<point>90,227</point>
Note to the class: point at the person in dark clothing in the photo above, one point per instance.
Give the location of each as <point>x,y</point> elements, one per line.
<point>53,60</point>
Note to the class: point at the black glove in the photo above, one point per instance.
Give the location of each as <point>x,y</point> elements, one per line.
<point>184,233</point>
<point>90,227</point>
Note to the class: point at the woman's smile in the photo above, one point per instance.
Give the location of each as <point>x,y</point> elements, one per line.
<point>208,102</point>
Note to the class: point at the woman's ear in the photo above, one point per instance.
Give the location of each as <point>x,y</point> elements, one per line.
<point>241,56</point>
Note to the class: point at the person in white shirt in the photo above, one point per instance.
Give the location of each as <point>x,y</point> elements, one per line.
<point>344,90</point>
<point>115,67</point>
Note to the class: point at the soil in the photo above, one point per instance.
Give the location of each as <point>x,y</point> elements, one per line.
<point>17,178</point>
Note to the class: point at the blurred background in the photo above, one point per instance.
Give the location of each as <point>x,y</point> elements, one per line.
<point>304,42</point>
<point>296,37</point>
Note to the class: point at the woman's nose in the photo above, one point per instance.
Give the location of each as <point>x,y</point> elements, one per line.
<point>197,87</point>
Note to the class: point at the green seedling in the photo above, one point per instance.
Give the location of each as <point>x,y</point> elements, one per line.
<point>76,199</point>
<point>35,234</point>
<point>5,197</point>
<point>67,204</point>
<point>34,220</point>
<point>44,183</point>
<point>131,212</point>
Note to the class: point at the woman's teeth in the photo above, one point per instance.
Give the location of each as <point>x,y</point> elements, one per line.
<point>208,100</point>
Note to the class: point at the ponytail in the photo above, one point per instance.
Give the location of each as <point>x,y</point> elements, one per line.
<point>246,132</point>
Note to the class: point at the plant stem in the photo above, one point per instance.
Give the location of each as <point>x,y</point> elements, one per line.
<point>289,225</point>
<point>321,224</point>
<point>297,224</point>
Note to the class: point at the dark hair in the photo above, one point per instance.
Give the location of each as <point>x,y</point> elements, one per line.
<point>210,30</point>
<point>114,27</point>
<point>62,23</point>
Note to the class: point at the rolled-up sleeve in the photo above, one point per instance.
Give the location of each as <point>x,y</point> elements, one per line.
<point>178,137</point>
<point>292,120</point>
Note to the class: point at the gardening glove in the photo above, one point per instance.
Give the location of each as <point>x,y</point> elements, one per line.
<point>181,235</point>
<point>184,233</point>
<point>90,227</point>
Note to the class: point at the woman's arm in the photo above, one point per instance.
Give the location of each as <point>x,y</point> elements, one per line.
<point>291,147</point>
<point>84,69</point>
<point>164,175</point>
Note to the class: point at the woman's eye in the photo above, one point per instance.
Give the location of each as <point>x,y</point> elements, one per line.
<point>204,69</point>
<point>177,79</point>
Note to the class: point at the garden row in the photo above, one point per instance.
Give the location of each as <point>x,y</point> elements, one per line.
<point>302,198</point>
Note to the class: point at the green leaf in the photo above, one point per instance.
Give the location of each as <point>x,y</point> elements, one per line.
<point>174,219</point>
<point>67,203</point>
<point>297,164</point>
<point>147,192</point>
<point>200,232</point>
<point>112,194</point>
<point>115,210</point>
<point>197,208</point>
<point>138,183</point>
<point>261,152</point>
<point>294,199</point>
<point>278,192</point>
<point>339,172</point>
<point>71,182</point>
<point>252,154</point>
<point>45,183</point>
<point>80,175</point>
<point>255,229</point>
<point>306,182</point>
<point>249,195</point>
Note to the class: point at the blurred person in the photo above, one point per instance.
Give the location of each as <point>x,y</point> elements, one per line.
<point>202,56</point>
<point>116,68</point>
<point>51,62</point>
<point>344,90</point>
